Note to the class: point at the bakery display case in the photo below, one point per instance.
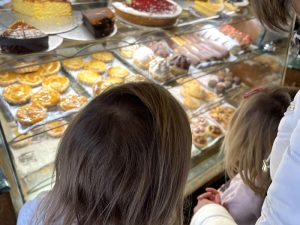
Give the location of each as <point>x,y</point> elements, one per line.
<point>206,53</point>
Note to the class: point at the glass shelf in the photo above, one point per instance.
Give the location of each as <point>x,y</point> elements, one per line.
<point>187,23</point>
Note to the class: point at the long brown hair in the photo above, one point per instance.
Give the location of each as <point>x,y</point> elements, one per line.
<point>276,14</point>
<point>124,160</point>
<point>251,134</point>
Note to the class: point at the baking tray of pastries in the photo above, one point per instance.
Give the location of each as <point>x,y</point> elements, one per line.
<point>167,60</point>
<point>34,96</point>
<point>99,71</point>
<point>221,82</point>
<point>205,131</point>
<point>222,114</point>
<point>194,96</point>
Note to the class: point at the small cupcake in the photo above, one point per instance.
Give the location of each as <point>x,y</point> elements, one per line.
<point>142,57</point>
<point>159,69</point>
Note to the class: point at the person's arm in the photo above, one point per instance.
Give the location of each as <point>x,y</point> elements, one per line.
<point>282,204</point>
<point>28,212</point>
<point>210,213</point>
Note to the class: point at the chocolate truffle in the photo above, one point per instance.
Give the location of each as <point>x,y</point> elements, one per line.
<point>212,83</point>
<point>237,80</point>
<point>228,84</point>
<point>220,88</point>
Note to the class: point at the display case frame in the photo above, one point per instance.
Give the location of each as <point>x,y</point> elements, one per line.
<point>207,163</point>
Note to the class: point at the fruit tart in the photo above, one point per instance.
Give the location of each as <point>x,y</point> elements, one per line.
<point>17,93</point>
<point>7,78</point>
<point>31,79</point>
<point>56,83</point>
<point>72,101</point>
<point>30,114</point>
<point>57,128</point>
<point>156,13</point>
<point>46,98</point>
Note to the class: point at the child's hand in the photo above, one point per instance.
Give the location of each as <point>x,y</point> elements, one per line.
<point>211,194</point>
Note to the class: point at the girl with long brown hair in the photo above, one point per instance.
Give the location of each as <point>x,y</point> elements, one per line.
<point>123,160</point>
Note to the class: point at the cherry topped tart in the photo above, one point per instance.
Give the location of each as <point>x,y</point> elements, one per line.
<point>151,5</point>
<point>155,13</point>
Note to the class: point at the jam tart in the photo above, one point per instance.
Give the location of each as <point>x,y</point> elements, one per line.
<point>31,79</point>
<point>88,77</point>
<point>72,101</point>
<point>106,57</point>
<point>214,130</point>
<point>118,71</point>
<point>57,128</point>
<point>17,93</point>
<point>46,98</point>
<point>198,131</point>
<point>97,66</point>
<point>58,83</point>
<point>200,141</point>
<point>74,63</point>
<point>7,78</point>
<point>30,114</point>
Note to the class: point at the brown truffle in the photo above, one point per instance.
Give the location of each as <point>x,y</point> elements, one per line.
<point>220,88</point>
<point>212,83</point>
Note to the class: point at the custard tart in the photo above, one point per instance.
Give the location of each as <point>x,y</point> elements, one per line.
<point>103,56</point>
<point>118,71</point>
<point>72,101</point>
<point>31,79</point>
<point>74,63</point>
<point>27,68</point>
<point>58,83</point>
<point>21,140</point>
<point>17,93</point>
<point>57,128</point>
<point>46,98</point>
<point>88,77</point>
<point>50,68</point>
<point>7,78</point>
<point>97,66</point>
<point>30,114</point>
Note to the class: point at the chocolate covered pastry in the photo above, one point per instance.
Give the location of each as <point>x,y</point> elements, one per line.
<point>22,38</point>
<point>99,21</point>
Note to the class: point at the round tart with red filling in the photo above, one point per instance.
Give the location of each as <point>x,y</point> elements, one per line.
<point>155,13</point>
<point>214,131</point>
<point>200,141</point>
